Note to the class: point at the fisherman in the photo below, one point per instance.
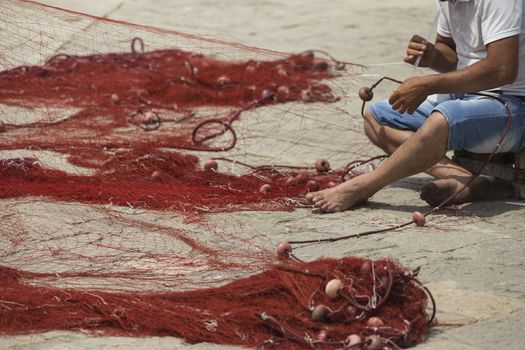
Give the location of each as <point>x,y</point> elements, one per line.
<point>478,48</point>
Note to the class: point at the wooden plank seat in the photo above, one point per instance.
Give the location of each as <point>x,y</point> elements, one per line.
<point>504,166</point>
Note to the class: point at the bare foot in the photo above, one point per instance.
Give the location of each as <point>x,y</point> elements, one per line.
<point>339,198</point>
<point>435,192</point>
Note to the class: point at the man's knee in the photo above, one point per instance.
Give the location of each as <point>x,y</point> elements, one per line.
<point>436,125</point>
<point>435,131</point>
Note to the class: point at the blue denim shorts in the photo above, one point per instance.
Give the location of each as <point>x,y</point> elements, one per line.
<point>476,123</point>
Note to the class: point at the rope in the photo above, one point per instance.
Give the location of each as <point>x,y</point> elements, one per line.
<point>366,94</point>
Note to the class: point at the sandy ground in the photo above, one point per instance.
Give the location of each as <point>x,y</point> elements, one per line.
<point>471,259</point>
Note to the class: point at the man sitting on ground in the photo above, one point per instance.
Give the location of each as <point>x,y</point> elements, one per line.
<point>478,48</point>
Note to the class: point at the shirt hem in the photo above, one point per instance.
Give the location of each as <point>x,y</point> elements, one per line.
<point>445,34</point>
<point>501,35</point>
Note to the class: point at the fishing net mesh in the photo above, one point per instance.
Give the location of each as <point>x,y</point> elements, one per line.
<point>107,135</point>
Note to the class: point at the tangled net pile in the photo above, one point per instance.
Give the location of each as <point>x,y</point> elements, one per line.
<point>282,306</point>
<point>125,122</point>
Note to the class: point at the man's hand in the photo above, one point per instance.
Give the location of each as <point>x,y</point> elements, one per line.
<point>409,95</point>
<point>419,47</point>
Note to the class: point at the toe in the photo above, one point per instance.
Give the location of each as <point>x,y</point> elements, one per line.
<point>337,209</point>
<point>316,199</point>
<point>327,208</point>
<point>320,203</point>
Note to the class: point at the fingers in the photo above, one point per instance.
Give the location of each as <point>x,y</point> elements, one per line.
<point>401,109</point>
<point>418,39</point>
<point>411,110</point>
<point>399,106</point>
<point>410,59</point>
<point>416,51</point>
<point>397,103</point>
<point>394,98</point>
<point>417,47</point>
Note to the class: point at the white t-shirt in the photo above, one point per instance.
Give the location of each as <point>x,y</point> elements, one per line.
<point>473,24</point>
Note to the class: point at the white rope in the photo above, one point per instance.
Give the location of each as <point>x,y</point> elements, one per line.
<point>385,64</point>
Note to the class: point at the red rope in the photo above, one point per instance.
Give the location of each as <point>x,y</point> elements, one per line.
<point>446,201</point>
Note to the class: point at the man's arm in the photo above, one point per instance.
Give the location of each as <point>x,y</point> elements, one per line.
<point>500,67</point>
<point>441,57</point>
<point>446,58</point>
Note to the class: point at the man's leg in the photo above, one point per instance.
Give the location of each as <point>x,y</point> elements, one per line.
<point>450,176</point>
<point>384,137</point>
<point>417,153</point>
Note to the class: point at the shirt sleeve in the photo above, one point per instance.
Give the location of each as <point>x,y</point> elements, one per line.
<point>500,19</point>
<point>443,27</point>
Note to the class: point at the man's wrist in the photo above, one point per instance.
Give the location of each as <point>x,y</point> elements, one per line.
<point>428,62</point>
<point>430,84</point>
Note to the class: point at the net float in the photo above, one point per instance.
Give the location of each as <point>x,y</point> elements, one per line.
<point>290,182</point>
<point>353,339</point>
<point>332,184</point>
<point>283,92</point>
<point>156,175</point>
<point>320,313</point>
<point>366,268</point>
<point>250,69</point>
<point>375,322</point>
<point>266,94</point>
<point>322,335</point>
<point>382,282</point>
<point>282,72</point>
<point>313,186</point>
<point>351,312</point>
<point>418,218</point>
<point>115,98</point>
<point>265,189</point>
<point>302,177</point>
<point>284,249</point>
<point>211,165</point>
<point>373,342</point>
<point>149,118</point>
<point>333,288</point>
<point>322,166</point>
<point>223,80</point>
<point>366,94</point>
<point>149,121</point>
<point>307,95</point>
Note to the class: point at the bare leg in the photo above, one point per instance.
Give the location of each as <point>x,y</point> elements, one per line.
<point>420,151</point>
<point>384,137</point>
<point>389,139</point>
<point>450,176</point>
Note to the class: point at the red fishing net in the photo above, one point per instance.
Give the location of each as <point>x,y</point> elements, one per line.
<point>284,307</point>
<point>102,127</point>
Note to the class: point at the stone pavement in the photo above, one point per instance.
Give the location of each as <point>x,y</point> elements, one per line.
<point>472,259</point>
